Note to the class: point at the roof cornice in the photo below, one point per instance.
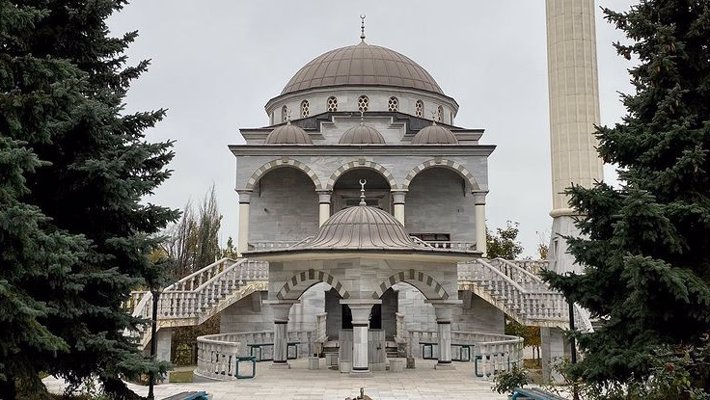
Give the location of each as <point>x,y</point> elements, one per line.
<point>358,150</point>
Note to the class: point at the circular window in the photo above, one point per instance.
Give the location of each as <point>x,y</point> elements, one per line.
<point>363,103</point>
<point>419,108</point>
<point>332,104</point>
<point>305,109</point>
<point>393,104</point>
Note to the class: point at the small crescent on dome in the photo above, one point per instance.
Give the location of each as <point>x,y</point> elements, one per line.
<point>363,182</point>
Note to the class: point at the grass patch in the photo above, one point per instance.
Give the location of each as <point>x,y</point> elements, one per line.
<point>180,377</point>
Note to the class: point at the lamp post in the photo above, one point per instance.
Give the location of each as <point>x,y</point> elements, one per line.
<point>573,346</point>
<point>153,341</point>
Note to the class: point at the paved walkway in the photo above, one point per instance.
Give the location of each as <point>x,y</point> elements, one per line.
<point>299,383</point>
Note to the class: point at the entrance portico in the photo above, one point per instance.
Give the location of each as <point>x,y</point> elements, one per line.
<point>361,252</point>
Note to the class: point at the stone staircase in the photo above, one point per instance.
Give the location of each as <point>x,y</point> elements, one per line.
<point>199,296</point>
<point>511,286</point>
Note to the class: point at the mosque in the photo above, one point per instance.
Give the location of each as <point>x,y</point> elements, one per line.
<point>362,238</point>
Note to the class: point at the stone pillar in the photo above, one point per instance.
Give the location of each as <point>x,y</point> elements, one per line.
<point>360,310</point>
<point>243,233</point>
<point>398,202</point>
<point>479,199</point>
<point>164,338</point>
<point>324,198</point>
<point>554,348</point>
<point>281,310</point>
<point>443,311</point>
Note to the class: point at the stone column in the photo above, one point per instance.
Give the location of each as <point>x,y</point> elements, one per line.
<point>554,348</point>
<point>360,310</point>
<point>398,202</point>
<point>324,199</point>
<point>443,311</point>
<point>243,233</point>
<point>164,338</point>
<point>479,199</point>
<point>281,310</point>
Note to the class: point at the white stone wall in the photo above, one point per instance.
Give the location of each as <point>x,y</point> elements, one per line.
<point>440,201</point>
<point>284,206</point>
<point>250,314</point>
<point>474,315</point>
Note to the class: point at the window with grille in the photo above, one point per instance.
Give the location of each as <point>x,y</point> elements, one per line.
<point>332,104</point>
<point>363,103</point>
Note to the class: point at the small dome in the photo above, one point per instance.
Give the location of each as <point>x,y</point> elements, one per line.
<point>288,134</point>
<point>434,134</point>
<point>362,227</point>
<point>362,134</point>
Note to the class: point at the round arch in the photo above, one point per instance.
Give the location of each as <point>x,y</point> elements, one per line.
<point>430,288</point>
<point>281,163</point>
<point>301,281</point>
<point>448,164</point>
<point>361,164</point>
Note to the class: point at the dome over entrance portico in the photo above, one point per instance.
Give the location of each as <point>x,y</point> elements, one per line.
<point>362,227</point>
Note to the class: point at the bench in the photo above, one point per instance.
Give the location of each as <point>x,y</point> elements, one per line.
<point>430,346</point>
<point>257,348</point>
<point>249,360</point>
<point>459,352</point>
<point>188,396</point>
<point>534,394</point>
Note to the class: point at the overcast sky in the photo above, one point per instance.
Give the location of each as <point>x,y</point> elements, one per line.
<point>215,64</point>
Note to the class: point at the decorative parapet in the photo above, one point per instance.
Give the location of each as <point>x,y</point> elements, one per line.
<point>493,352</point>
<point>217,354</point>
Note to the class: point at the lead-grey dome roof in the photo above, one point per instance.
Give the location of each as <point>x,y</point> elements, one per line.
<point>434,134</point>
<point>288,134</point>
<point>362,64</point>
<point>362,134</point>
<point>362,227</point>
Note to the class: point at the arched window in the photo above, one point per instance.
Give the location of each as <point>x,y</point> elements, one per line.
<point>440,114</point>
<point>363,103</point>
<point>284,113</point>
<point>332,104</point>
<point>393,104</point>
<point>419,108</point>
<point>305,109</point>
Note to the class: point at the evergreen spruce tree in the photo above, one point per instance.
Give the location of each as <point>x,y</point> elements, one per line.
<point>646,250</point>
<point>79,237</point>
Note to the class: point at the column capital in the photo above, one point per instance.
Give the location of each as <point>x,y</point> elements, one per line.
<point>479,196</point>
<point>360,310</point>
<point>324,196</point>
<point>281,309</point>
<point>398,195</point>
<point>443,309</point>
<point>244,195</point>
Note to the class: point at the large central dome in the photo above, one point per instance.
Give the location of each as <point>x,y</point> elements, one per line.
<point>363,64</point>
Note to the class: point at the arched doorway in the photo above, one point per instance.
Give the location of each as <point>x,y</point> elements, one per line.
<point>284,207</point>
<point>440,207</point>
<point>346,191</point>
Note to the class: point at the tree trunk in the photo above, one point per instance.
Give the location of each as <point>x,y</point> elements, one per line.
<point>8,391</point>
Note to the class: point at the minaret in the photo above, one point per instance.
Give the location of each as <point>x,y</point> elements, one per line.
<point>574,110</point>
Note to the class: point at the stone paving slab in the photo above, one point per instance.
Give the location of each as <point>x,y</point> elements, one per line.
<point>299,383</point>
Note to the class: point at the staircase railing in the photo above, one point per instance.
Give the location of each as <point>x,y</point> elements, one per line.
<point>519,293</point>
<point>200,295</point>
